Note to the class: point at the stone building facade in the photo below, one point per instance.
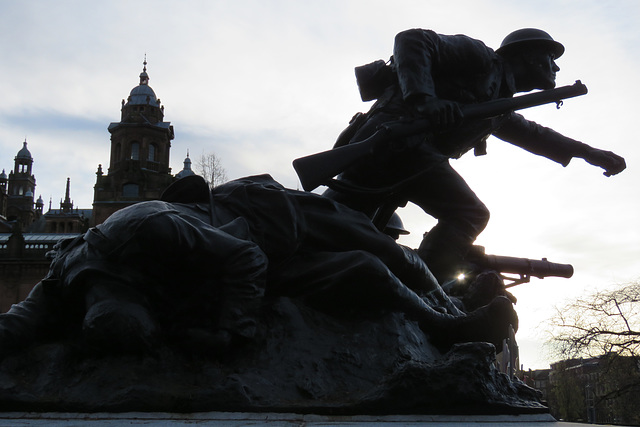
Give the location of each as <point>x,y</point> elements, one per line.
<point>138,171</point>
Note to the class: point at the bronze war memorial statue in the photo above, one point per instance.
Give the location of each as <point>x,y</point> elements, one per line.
<point>254,297</point>
<point>439,97</point>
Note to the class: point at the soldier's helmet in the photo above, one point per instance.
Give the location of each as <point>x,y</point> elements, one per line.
<point>395,227</point>
<point>530,37</point>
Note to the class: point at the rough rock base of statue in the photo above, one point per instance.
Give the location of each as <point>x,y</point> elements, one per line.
<point>304,361</point>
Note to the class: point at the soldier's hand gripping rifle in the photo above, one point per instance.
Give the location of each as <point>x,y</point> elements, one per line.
<point>317,169</point>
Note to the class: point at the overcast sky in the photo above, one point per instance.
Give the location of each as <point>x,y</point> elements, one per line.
<point>261,83</point>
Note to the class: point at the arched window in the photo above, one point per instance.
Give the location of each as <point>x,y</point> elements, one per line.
<point>152,153</point>
<point>135,151</point>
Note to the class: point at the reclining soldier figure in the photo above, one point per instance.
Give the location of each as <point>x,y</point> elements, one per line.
<point>197,265</point>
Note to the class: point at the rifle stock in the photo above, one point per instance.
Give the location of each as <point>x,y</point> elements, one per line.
<point>316,169</point>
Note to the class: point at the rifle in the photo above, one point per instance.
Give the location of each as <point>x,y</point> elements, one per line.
<point>524,267</point>
<point>316,169</point>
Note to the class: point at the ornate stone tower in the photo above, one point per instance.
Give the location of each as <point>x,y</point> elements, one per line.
<point>21,187</point>
<point>139,165</point>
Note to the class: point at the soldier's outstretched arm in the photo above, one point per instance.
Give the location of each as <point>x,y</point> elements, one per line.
<point>546,142</point>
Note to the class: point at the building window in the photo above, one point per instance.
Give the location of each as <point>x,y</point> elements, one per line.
<point>118,152</point>
<point>130,190</point>
<point>135,151</point>
<point>152,153</point>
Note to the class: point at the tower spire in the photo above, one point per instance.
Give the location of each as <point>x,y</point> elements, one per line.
<point>67,205</point>
<point>66,194</point>
<point>144,77</point>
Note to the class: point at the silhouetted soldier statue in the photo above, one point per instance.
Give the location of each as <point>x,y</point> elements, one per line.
<point>432,76</point>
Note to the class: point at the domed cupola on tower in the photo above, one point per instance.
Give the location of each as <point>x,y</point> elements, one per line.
<point>142,105</point>
<point>186,171</point>
<point>23,160</point>
<point>140,144</point>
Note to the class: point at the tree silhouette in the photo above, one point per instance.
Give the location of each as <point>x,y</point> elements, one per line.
<point>598,338</point>
<point>602,323</point>
<point>209,166</point>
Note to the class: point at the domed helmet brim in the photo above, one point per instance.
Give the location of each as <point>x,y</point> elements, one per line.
<point>530,37</point>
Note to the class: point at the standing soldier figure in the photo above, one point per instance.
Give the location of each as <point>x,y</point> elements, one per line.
<point>432,75</point>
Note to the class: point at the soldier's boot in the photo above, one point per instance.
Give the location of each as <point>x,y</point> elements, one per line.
<point>490,323</point>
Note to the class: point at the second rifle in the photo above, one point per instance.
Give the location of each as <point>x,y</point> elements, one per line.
<point>316,169</point>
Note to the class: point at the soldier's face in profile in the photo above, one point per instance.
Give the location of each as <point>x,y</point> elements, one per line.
<point>543,69</point>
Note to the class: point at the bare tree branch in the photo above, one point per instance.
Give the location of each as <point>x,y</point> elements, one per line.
<point>623,316</point>
<point>600,323</point>
<point>209,166</point>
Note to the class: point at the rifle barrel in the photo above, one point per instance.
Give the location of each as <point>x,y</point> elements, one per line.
<point>499,106</point>
<point>530,267</point>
